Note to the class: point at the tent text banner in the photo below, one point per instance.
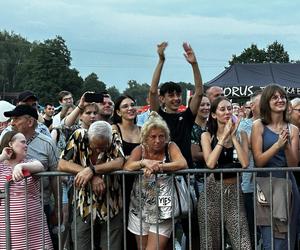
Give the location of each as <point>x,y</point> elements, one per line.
<point>246,91</point>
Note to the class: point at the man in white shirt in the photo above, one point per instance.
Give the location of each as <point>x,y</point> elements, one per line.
<point>64,98</point>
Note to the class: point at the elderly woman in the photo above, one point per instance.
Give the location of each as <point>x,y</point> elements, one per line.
<point>13,163</point>
<point>89,154</point>
<point>155,155</point>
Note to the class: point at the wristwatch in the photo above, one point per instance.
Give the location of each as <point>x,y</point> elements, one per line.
<point>92,167</point>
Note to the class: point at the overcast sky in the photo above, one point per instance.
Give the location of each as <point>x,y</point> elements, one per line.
<point>117,39</point>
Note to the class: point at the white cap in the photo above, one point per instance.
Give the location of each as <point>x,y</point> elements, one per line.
<point>5,106</point>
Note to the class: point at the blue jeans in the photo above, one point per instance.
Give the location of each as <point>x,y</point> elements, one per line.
<point>279,244</point>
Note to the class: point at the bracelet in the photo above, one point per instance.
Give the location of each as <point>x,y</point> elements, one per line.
<point>220,145</point>
<point>92,167</point>
<point>80,108</point>
<point>161,170</point>
<point>141,164</point>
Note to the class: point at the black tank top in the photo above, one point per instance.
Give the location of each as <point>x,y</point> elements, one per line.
<point>225,160</point>
<point>126,146</point>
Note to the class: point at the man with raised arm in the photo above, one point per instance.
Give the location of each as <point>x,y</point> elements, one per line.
<point>179,123</point>
<point>170,94</point>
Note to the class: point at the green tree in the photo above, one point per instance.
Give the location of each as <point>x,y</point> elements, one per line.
<point>114,92</point>
<point>46,71</point>
<point>13,51</point>
<point>250,55</point>
<point>92,83</point>
<point>138,91</point>
<point>274,53</point>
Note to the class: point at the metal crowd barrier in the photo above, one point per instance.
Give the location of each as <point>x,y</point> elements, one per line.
<point>188,173</point>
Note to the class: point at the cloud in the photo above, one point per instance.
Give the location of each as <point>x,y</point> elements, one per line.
<point>109,35</point>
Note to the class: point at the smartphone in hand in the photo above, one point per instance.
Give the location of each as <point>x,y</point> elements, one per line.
<point>93,97</point>
<point>234,119</point>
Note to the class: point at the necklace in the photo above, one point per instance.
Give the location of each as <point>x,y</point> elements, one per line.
<point>31,138</point>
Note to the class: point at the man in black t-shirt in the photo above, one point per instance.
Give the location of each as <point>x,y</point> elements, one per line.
<point>48,115</point>
<point>179,123</point>
<point>170,96</point>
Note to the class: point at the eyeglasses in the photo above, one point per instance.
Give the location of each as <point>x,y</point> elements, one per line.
<point>247,107</point>
<point>277,97</point>
<point>126,106</point>
<point>298,110</point>
<point>222,109</point>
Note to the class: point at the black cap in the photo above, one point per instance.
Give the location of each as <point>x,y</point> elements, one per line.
<point>22,110</point>
<point>24,96</point>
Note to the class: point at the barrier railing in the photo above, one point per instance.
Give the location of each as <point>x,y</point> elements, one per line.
<point>189,177</point>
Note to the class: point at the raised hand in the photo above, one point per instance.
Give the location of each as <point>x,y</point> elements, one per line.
<point>82,103</point>
<point>235,126</point>
<point>283,138</point>
<point>228,129</point>
<point>6,154</point>
<point>161,50</point>
<point>189,53</point>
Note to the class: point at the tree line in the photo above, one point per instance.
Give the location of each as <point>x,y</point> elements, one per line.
<point>45,68</point>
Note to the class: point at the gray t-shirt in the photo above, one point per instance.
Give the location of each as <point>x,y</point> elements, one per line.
<point>42,148</point>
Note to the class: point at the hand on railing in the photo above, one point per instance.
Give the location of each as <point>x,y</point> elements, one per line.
<point>24,173</point>
<point>17,173</point>
<point>83,177</point>
<point>98,185</point>
<point>151,167</point>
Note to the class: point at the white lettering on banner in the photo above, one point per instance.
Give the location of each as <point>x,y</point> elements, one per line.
<point>164,201</point>
<point>246,91</point>
<point>238,91</point>
<point>227,91</point>
<point>289,90</point>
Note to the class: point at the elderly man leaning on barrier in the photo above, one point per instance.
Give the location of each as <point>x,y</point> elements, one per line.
<point>89,154</point>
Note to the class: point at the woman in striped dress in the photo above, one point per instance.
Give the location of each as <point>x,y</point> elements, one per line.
<point>29,232</point>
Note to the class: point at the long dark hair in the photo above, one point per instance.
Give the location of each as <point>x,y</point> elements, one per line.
<point>265,110</point>
<point>116,118</point>
<point>212,124</point>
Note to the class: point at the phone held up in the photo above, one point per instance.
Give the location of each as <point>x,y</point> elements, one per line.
<point>93,97</point>
<point>234,119</point>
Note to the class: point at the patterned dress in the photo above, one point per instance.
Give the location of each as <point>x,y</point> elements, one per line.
<point>151,187</point>
<point>37,222</point>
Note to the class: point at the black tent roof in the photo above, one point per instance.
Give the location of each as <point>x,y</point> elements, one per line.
<point>259,74</point>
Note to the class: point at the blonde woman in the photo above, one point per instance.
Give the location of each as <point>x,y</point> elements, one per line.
<point>156,154</point>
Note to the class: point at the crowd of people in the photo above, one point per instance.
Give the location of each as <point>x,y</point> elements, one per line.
<point>97,136</point>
